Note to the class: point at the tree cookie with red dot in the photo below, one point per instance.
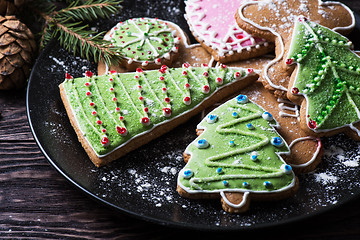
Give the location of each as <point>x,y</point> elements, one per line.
<point>274,19</point>
<point>213,24</point>
<point>325,80</point>
<point>144,42</point>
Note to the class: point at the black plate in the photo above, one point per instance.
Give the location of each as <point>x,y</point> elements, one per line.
<point>143,183</point>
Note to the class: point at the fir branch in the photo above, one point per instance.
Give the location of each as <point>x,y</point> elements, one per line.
<point>90,11</point>
<point>76,37</point>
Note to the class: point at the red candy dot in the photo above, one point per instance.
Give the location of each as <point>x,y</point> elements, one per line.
<point>88,94</point>
<point>206,89</point>
<point>121,130</point>
<point>161,78</point>
<point>184,73</point>
<point>187,85</point>
<point>88,74</point>
<point>94,113</point>
<point>139,70</point>
<point>250,70</point>
<point>145,121</point>
<point>92,104</point>
<point>121,118</point>
<point>223,66</point>
<point>114,99</point>
<point>87,84</point>
<point>104,141</point>
<point>295,90</point>
<point>98,122</point>
<point>103,130</point>
<point>237,74</point>
<point>146,109</point>
<point>186,65</point>
<point>289,61</point>
<point>206,74</point>
<point>167,100</point>
<point>187,100</point>
<point>312,124</point>
<point>68,76</point>
<point>167,112</point>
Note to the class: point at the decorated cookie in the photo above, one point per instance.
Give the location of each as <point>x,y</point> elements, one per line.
<point>116,113</point>
<point>274,20</point>
<point>194,54</point>
<point>326,79</point>
<point>306,151</point>
<point>144,42</point>
<point>237,154</point>
<point>213,24</point>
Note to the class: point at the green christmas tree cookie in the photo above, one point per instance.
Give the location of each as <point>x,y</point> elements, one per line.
<point>116,113</point>
<point>326,81</point>
<point>237,152</point>
<point>145,42</point>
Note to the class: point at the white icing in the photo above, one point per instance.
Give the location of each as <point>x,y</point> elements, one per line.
<point>315,155</point>
<point>204,32</point>
<point>239,205</point>
<point>283,107</point>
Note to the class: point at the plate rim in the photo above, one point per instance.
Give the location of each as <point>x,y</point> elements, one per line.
<point>162,222</point>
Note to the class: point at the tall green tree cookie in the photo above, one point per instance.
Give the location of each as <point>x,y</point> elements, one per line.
<point>116,113</point>
<point>237,154</point>
<point>326,79</point>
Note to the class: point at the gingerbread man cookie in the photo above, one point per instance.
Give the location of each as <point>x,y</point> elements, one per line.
<point>274,19</point>
<point>213,25</point>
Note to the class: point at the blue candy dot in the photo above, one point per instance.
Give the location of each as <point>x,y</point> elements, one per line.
<point>246,184</point>
<point>235,114</point>
<point>231,143</point>
<point>267,184</point>
<point>277,142</point>
<point>250,126</point>
<point>212,118</point>
<point>202,143</point>
<point>188,173</point>
<point>242,99</point>
<point>226,183</point>
<point>267,116</point>
<point>286,168</point>
<point>254,156</point>
<point>219,170</point>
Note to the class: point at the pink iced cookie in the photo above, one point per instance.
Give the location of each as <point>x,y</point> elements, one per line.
<point>213,24</point>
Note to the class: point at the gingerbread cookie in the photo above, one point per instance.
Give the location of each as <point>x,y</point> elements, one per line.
<point>116,113</point>
<point>213,25</point>
<point>325,81</point>
<point>306,151</point>
<point>274,19</point>
<point>144,42</point>
<point>194,54</point>
<point>237,157</point>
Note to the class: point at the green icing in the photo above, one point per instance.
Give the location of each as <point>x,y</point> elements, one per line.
<point>229,165</point>
<point>129,103</point>
<point>328,75</point>
<point>143,39</point>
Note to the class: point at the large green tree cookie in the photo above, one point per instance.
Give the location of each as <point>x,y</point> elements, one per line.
<point>326,80</point>
<point>115,111</point>
<point>239,152</point>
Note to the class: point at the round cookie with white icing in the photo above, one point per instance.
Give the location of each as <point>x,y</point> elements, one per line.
<point>325,80</point>
<point>213,25</point>
<point>274,20</point>
<point>237,156</point>
<point>144,42</point>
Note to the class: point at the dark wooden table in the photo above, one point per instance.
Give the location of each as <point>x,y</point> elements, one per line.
<point>36,202</point>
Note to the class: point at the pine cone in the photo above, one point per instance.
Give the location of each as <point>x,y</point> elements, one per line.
<point>7,8</point>
<point>17,48</point>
